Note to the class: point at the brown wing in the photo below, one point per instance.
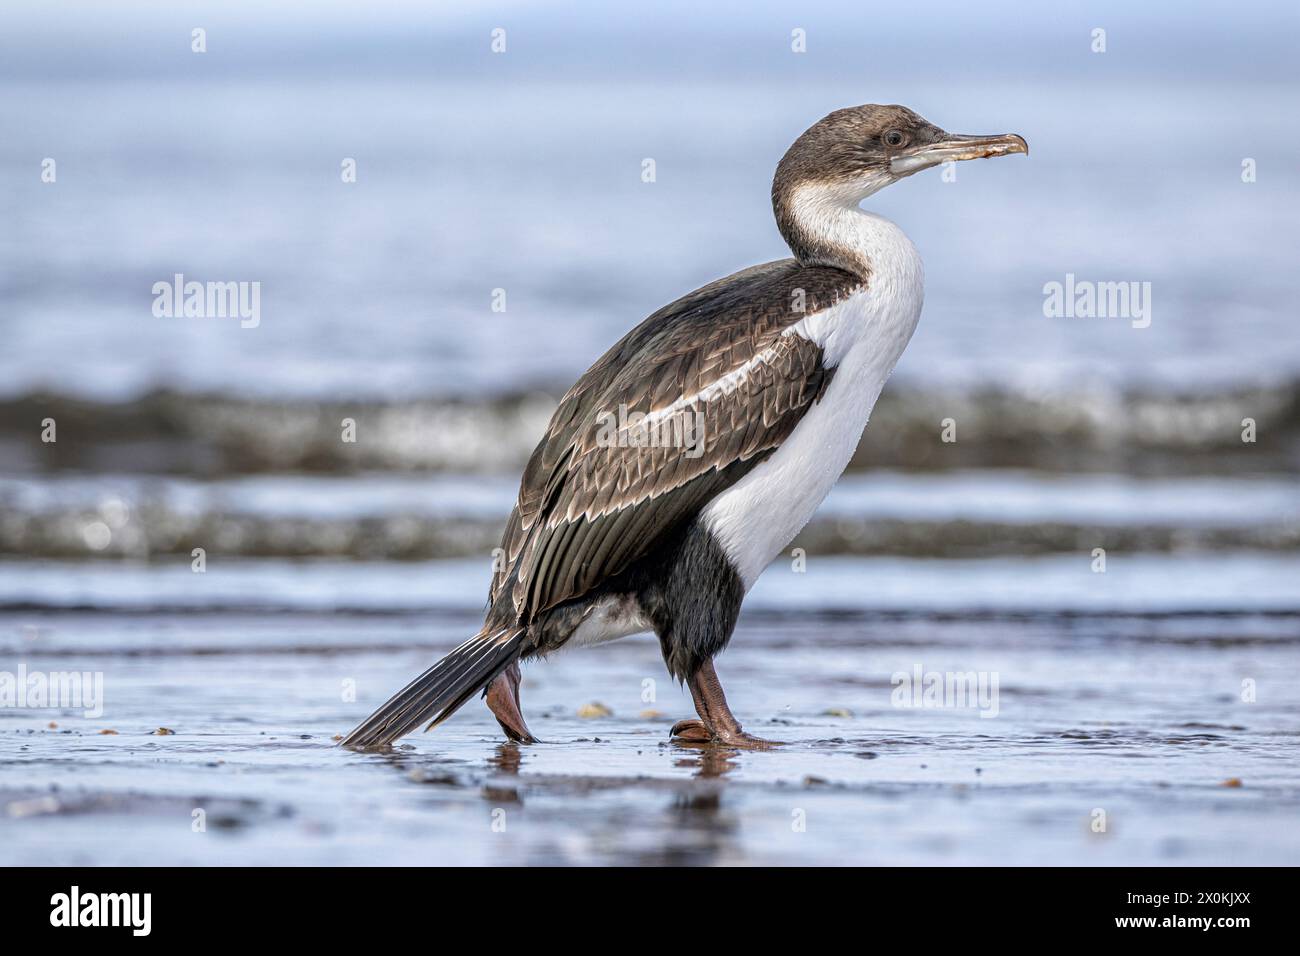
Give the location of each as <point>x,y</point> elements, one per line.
<point>680,409</point>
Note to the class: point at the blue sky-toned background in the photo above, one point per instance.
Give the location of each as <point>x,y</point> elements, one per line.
<point>521,171</point>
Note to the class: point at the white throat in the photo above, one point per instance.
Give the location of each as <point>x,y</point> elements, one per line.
<point>829,215</point>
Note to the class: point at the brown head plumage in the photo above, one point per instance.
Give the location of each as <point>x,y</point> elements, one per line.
<point>850,154</point>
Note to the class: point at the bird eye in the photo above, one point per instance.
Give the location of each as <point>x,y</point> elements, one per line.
<point>894,137</point>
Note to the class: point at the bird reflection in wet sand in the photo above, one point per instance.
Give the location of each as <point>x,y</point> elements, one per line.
<point>507,759</point>
<point>708,761</point>
<point>706,829</point>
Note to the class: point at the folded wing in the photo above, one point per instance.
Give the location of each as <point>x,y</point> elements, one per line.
<point>680,409</point>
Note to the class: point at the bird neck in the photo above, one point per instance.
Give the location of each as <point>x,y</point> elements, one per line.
<point>822,225</point>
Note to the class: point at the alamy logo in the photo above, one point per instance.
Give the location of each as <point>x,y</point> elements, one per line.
<point>667,428</point>
<point>963,689</point>
<point>67,690</point>
<point>1085,299</point>
<point>208,300</point>
<point>103,909</point>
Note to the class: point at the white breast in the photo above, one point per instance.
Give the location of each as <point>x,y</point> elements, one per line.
<point>862,337</point>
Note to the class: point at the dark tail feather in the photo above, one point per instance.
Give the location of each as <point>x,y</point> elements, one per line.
<point>439,692</point>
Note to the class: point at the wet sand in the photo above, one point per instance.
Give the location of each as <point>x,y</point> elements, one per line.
<point>1137,715</point>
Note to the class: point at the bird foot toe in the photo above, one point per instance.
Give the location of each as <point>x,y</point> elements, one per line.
<point>744,741</point>
<point>698,732</point>
<point>691,731</point>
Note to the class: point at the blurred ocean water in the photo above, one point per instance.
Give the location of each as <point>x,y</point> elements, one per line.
<point>516,178</point>
<point>377,295</point>
<point>522,171</point>
<point>479,172</point>
<point>385,286</point>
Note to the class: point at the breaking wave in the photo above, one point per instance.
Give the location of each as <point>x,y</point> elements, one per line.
<point>1090,430</point>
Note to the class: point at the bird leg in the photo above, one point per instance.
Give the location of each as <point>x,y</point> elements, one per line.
<point>717,724</point>
<point>502,696</point>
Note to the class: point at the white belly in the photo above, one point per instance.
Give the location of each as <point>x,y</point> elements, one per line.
<point>608,620</point>
<point>863,338</point>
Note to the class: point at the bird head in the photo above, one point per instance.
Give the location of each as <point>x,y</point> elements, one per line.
<point>855,152</point>
<point>844,158</point>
